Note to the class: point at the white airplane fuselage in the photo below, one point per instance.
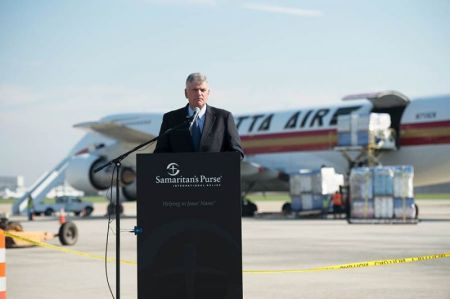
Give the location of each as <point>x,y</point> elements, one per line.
<point>306,138</point>
<point>294,142</point>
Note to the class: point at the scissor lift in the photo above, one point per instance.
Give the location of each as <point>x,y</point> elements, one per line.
<point>393,103</point>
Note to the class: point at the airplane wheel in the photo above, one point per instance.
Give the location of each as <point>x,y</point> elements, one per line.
<point>88,211</point>
<point>68,233</point>
<point>248,208</point>
<point>9,242</point>
<point>286,208</point>
<point>112,209</point>
<point>49,212</point>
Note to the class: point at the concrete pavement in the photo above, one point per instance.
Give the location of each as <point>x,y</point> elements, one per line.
<point>267,244</point>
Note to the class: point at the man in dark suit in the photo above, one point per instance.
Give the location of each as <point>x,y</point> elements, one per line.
<point>214,130</point>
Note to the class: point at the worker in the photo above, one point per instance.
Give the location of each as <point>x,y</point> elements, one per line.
<point>325,205</point>
<point>337,204</point>
<point>30,208</point>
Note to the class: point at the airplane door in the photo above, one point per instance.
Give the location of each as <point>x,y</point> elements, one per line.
<point>391,102</point>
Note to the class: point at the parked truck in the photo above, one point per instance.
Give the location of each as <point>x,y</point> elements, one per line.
<point>72,204</point>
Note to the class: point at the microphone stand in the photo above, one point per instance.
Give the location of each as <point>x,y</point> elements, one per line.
<point>117,162</point>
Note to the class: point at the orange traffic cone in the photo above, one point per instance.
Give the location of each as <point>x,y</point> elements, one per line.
<point>2,266</point>
<point>62,216</point>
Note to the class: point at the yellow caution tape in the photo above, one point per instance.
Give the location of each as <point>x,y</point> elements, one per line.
<point>376,263</point>
<point>66,250</point>
<point>356,265</point>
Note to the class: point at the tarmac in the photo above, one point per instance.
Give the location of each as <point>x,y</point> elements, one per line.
<point>273,243</point>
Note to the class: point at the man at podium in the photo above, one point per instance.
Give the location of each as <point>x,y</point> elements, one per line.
<point>213,130</point>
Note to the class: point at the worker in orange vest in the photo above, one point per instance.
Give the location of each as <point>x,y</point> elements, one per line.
<point>337,204</point>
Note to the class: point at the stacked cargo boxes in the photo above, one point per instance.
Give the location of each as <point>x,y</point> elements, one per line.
<point>404,207</point>
<point>363,130</point>
<point>301,191</point>
<point>382,192</point>
<point>309,189</point>
<point>361,193</point>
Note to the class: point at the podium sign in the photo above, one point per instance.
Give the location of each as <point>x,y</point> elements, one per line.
<point>189,209</point>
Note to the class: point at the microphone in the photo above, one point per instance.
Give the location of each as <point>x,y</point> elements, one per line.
<point>194,117</point>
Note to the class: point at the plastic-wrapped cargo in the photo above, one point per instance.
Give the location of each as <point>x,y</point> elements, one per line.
<point>361,183</point>
<point>296,203</point>
<point>334,184</point>
<point>383,181</point>
<point>364,138</point>
<point>382,193</point>
<point>363,122</point>
<point>306,182</point>
<point>302,182</point>
<point>344,139</point>
<point>326,181</point>
<point>307,201</point>
<point>295,184</point>
<point>362,129</point>
<point>404,208</point>
<point>384,139</point>
<point>374,121</point>
<point>403,181</point>
<point>376,138</point>
<point>363,209</point>
<point>318,201</point>
<point>317,181</point>
<point>344,122</point>
<point>308,188</point>
<point>384,207</point>
<point>346,129</point>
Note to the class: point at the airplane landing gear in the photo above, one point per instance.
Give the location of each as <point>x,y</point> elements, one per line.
<point>286,208</point>
<point>248,208</point>
<point>111,210</point>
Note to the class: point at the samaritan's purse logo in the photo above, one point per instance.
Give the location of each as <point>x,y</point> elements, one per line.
<point>173,169</point>
<point>177,180</point>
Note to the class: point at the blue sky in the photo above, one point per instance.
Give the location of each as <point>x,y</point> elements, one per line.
<point>64,62</point>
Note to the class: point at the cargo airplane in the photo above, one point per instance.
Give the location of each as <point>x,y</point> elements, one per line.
<point>278,144</point>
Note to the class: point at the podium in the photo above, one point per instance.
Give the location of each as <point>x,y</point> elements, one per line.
<point>189,210</point>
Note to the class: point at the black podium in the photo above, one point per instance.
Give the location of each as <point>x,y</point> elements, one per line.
<point>190,212</point>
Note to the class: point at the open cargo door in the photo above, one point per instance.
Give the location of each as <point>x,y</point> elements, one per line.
<point>391,102</point>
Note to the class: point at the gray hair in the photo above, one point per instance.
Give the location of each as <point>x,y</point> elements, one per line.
<point>196,77</point>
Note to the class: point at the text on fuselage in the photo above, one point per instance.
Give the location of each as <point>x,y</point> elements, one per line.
<point>298,119</point>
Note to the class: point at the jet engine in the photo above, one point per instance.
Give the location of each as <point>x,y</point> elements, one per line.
<point>129,192</point>
<point>80,175</point>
